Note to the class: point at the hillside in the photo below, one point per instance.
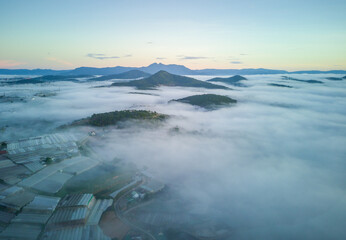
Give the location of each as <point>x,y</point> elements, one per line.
<point>113,118</point>
<point>231,80</point>
<point>163,78</point>
<point>132,74</point>
<point>208,101</point>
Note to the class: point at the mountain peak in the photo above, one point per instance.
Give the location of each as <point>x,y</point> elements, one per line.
<point>155,64</point>
<point>163,72</point>
<point>164,78</point>
<point>172,68</point>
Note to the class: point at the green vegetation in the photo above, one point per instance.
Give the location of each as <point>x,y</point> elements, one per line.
<point>48,160</point>
<point>163,78</point>
<point>113,118</point>
<point>3,145</point>
<point>231,80</point>
<point>126,75</point>
<point>209,101</point>
<point>279,85</point>
<point>100,180</point>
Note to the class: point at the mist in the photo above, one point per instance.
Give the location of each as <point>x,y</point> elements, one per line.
<point>271,166</point>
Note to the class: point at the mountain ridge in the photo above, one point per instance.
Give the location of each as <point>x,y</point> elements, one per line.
<point>155,67</point>
<point>163,78</point>
<point>132,74</point>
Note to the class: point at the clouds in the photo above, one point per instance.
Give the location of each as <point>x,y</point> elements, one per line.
<point>182,57</point>
<point>10,63</point>
<point>270,167</point>
<point>264,170</point>
<point>238,59</point>
<point>100,56</point>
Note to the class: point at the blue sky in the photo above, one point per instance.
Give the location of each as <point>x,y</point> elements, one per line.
<point>289,35</point>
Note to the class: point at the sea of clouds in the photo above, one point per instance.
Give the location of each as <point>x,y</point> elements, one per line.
<point>271,166</point>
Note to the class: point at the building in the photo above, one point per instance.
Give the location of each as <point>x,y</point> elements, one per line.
<point>78,209</point>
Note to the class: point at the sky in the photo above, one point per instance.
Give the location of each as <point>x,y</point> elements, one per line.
<point>288,35</point>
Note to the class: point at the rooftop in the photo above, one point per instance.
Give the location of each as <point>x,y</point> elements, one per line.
<point>76,233</point>
<point>43,203</point>
<point>76,200</point>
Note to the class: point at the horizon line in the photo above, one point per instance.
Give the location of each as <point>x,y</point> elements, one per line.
<point>172,64</point>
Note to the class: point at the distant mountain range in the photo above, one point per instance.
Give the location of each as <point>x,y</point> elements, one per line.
<point>155,67</point>
<point>47,79</point>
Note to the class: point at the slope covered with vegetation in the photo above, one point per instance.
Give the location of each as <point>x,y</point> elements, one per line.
<point>163,78</point>
<point>208,101</point>
<point>113,118</point>
<point>231,80</point>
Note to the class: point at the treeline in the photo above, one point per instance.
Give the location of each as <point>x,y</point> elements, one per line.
<point>207,100</point>
<point>112,118</point>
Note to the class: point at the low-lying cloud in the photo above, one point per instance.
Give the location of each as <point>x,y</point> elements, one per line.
<point>192,57</point>
<point>101,56</point>
<point>10,63</point>
<point>270,167</point>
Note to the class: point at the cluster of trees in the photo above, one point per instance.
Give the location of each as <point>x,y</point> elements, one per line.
<point>112,118</point>
<point>207,100</point>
